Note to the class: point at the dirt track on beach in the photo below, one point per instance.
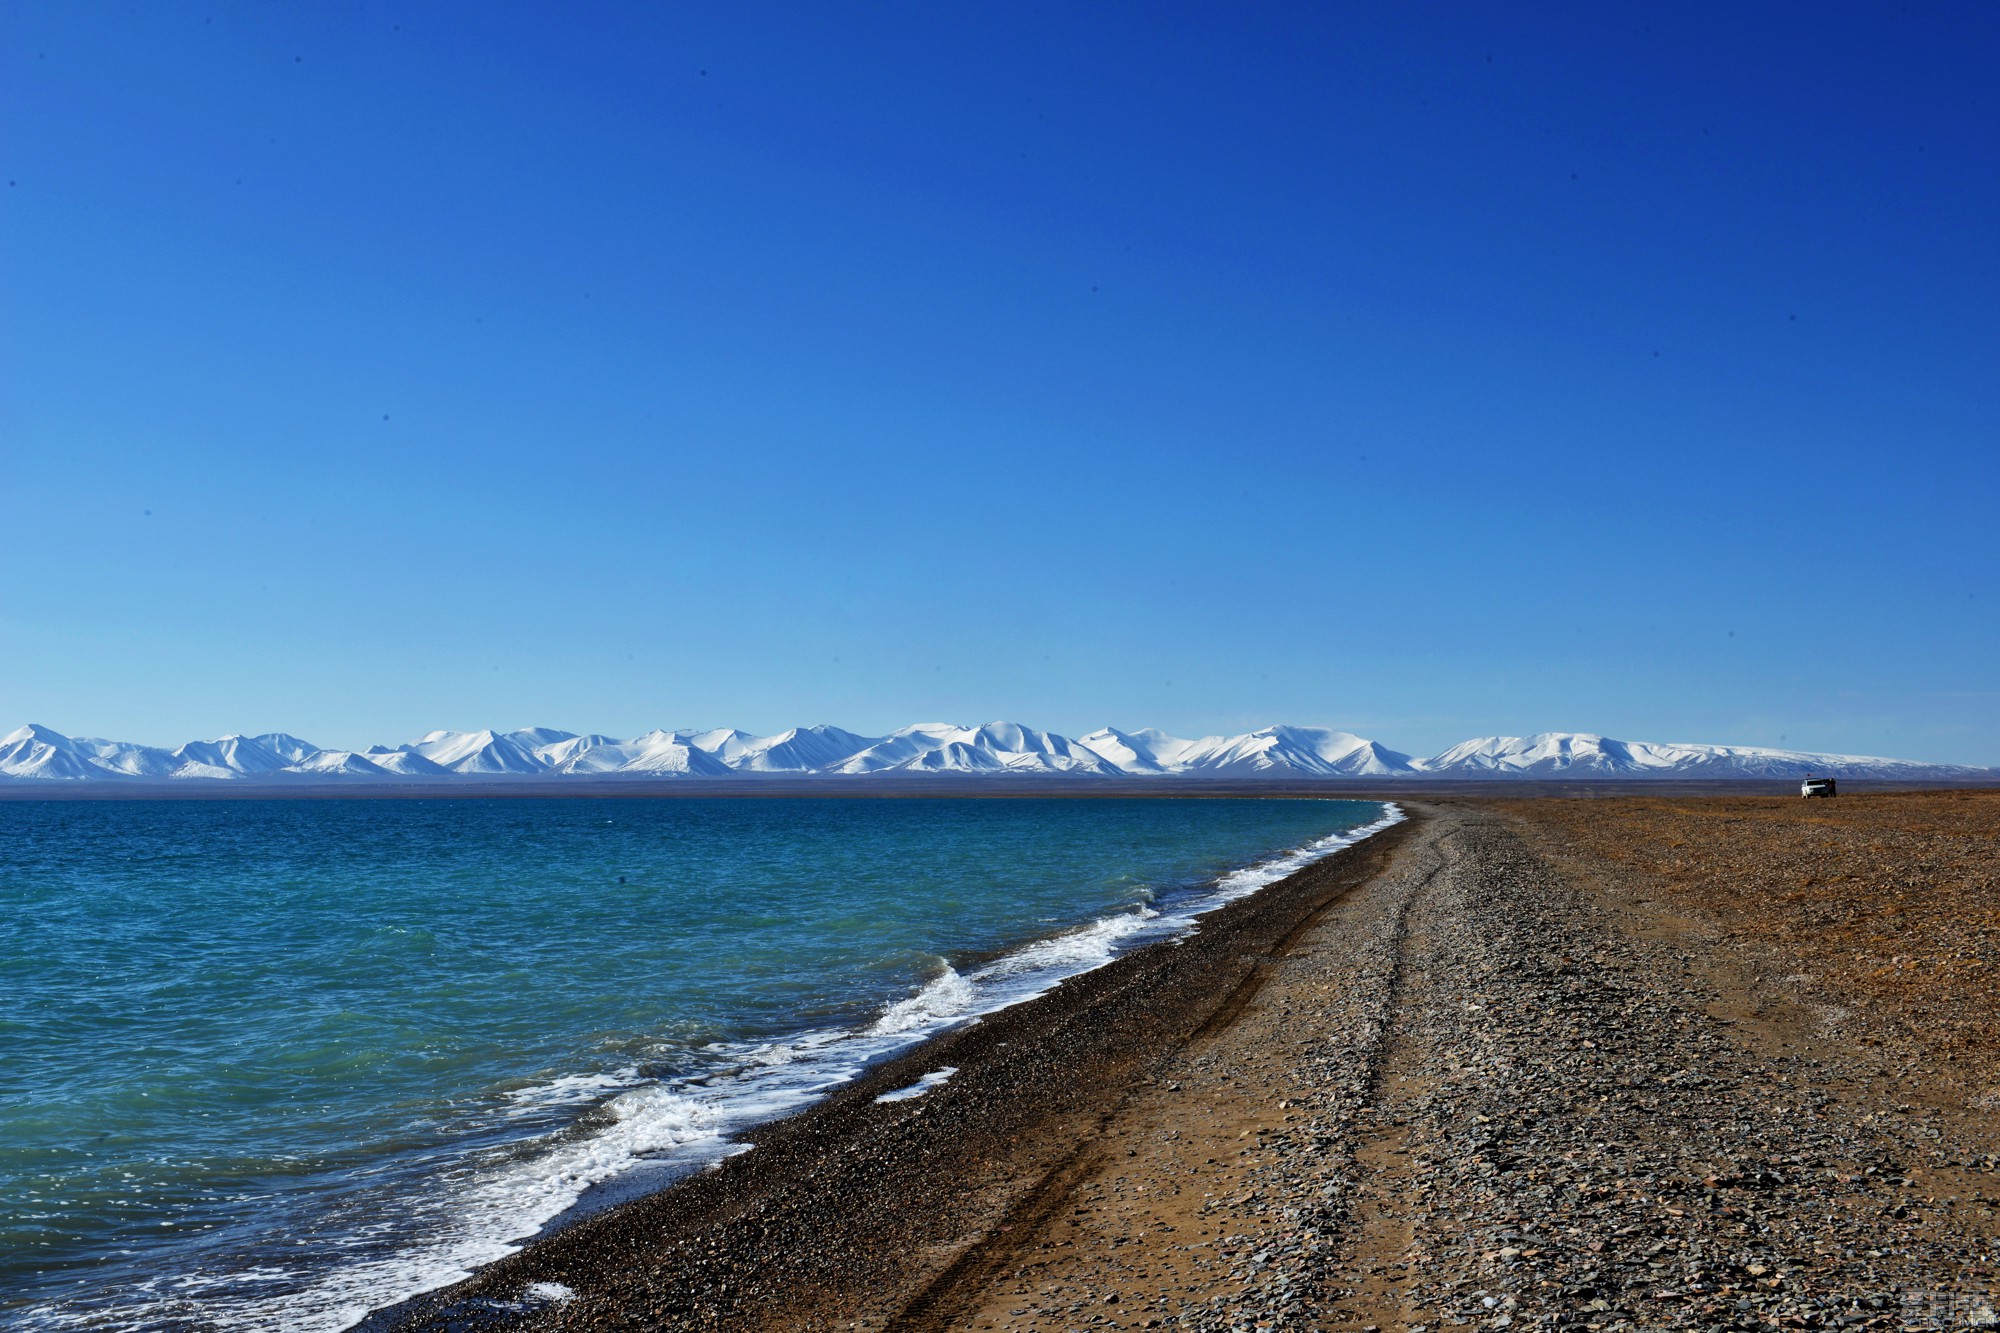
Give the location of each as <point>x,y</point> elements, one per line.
<point>1635,1063</point>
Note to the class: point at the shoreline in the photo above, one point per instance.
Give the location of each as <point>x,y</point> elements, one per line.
<point>1502,1066</point>
<point>1025,1079</point>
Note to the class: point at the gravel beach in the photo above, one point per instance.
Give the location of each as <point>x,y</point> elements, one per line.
<point>1477,1072</point>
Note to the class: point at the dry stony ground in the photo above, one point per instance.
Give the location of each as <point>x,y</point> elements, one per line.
<point>1882,911</point>
<point>1617,1112</point>
<point>1603,1065</point>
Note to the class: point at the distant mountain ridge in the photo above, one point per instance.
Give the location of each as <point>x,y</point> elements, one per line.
<point>39,753</point>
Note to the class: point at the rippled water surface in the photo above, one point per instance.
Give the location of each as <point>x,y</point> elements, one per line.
<point>267,1064</point>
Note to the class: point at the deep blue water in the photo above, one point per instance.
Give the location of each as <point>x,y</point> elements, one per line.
<point>269,1064</point>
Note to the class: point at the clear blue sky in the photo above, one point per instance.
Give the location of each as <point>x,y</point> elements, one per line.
<point>1418,369</point>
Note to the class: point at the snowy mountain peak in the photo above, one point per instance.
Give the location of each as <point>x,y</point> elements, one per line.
<point>37,752</point>
<point>801,750</point>
<point>1583,753</point>
<point>1128,752</point>
<point>288,747</point>
<point>477,752</point>
<point>999,748</point>
<point>996,747</point>
<point>36,734</point>
<point>339,764</point>
<point>1282,750</point>
<point>725,743</point>
<point>237,755</point>
<point>405,763</point>
<point>535,738</point>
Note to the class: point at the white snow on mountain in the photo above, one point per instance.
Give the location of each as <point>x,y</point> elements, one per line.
<point>191,768</point>
<point>404,763</point>
<point>1127,752</point>
<point>476,752</point>
<point>39,753</point>
<point>997,747</point>
<point>1571,754</point>
<point>801,750</point>
<point>539,738</point>
<point>1288,750</point>
<point>1152,749</point>
<point>555,754</point>
<point>726,744</point>
<point>289,748</point>
<point>607,757</point>
<point>900,747</point>
<point>34,751</point>
<point>664,753</point>
<point>338,764</point>
<point>1272,751</point>
<point>230,754</point>
<point>137,761</point>
<point>655,754</point>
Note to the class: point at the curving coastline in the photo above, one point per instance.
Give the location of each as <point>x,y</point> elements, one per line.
<point>827,1213</point>
<point>1520,1065</point>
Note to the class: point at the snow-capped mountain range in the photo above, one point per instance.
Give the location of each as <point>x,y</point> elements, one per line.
<point>36,753</point>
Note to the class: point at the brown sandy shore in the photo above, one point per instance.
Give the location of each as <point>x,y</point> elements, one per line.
<point>1633,1063</point>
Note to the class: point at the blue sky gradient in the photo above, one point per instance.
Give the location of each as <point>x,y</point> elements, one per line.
<point>1403,368</point>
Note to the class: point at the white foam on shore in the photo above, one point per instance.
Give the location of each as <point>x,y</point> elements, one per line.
<point>489,1207</point>
<point>921,1086</point>
<point>571,1090</point>
<point>940,1000</point>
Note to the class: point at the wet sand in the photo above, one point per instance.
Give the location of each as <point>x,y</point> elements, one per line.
<point>1523,1064</point>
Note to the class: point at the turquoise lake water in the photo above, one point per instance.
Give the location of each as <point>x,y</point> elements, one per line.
<point>271,1064</point>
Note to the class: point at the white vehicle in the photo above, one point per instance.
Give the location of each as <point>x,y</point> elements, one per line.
<point>1816,787</point>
